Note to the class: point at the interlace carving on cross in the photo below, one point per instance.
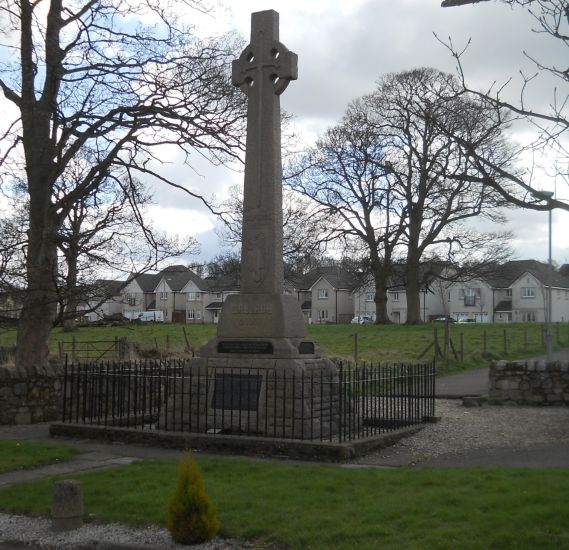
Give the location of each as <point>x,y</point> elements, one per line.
<point>281,62</point>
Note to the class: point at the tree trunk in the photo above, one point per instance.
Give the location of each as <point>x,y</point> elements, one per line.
<point>381,315</point>
<point>412,268</point>
<point>40,302</point>
<point>413,293</point>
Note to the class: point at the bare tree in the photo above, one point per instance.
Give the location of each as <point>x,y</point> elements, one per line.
<point>87,74</point>
<point>102,234</point>
<point>550,123</point>
<point>346,175</point>
<point>398,181</point>
<point>419,115</point>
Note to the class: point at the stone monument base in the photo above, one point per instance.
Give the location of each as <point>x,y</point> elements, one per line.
<point>257,396</point>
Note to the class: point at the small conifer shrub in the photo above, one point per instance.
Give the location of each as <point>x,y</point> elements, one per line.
<point>192,518</point>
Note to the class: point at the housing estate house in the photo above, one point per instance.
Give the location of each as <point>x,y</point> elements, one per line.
<point>138,294</point>
<point>325,294</point>
<point>432,303</point>
<point>105,300</point>
<point>473,300</point>
<point>520,291</point>
<point>513,292</point>
<point>179,293</point>
<point>219,288</point>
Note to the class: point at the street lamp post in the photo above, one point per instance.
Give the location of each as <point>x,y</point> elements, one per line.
<point>548,195</point>
<point>549,304</point>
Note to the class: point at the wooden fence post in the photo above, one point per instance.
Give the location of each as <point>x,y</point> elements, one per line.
<point>505,342</point>
<point>484,342</point>
<point>558,338</point>
<point>462,346</point>
<point>356,348</point>
<point>436,342</point>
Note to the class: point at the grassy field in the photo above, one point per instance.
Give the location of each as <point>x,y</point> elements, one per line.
<point>16,455</point>
<point>374,342</point>
<point>324,507</point>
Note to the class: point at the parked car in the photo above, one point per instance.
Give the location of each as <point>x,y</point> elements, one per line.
<point>151,317</point>
<point>362,320</point>
<point>467,320</point>
<point>444,320</point>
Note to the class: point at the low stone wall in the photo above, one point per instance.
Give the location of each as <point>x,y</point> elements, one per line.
<point>30,395</point>
<point>529,383</point>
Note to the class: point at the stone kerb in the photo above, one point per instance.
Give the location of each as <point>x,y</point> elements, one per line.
<point>529,383</point>
<point>30,395</point>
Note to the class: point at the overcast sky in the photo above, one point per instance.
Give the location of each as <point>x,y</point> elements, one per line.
<point>343,48</point>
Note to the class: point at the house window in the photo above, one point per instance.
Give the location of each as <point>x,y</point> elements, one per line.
<point>219,296</point>
<point>370,296</point>
<point>323,293</point>
<point>163,295</point>
<point>131,299</point>
<point>194,314</point>
<point>396,296</point>
<point>323,314</point>
<point>469,297</point>
<point>528,292</point>
<point>193,296</point>
<point>529,316</point>
<point>508,293</point>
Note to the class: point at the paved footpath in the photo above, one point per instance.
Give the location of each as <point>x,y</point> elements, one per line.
<point>471,383</point>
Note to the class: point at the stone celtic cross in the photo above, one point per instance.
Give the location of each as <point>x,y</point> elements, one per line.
<point>263,71</point>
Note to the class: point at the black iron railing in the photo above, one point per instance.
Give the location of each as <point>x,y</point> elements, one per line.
<point>331,404</point>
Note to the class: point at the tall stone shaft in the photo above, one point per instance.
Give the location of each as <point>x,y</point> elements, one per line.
<point>261,310</point>
<point>263,71</point>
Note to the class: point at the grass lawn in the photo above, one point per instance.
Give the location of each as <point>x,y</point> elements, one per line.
<point>375,342</point>
<point>300,506</point>
<point>15,455</point>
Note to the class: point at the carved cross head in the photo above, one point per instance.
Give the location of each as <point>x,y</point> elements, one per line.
<point>265,58</point>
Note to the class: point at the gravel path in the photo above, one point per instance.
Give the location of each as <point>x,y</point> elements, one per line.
<point>463,429</point>
<point>27,532</point>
